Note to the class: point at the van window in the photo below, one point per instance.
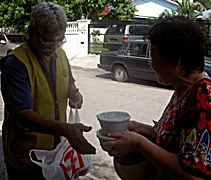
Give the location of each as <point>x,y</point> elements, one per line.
<point>116,30</point>
<point>138,30</point>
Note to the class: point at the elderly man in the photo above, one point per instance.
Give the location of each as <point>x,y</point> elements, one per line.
<point>36,84</point>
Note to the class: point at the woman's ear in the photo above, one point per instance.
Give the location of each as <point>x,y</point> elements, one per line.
<point>176,63</point>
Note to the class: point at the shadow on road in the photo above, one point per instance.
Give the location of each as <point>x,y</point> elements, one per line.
<point>136,81</point>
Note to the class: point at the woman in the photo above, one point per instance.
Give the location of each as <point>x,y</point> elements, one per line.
<point>178,146</point>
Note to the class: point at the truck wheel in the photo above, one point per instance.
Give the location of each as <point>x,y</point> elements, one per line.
<point>120,74</point>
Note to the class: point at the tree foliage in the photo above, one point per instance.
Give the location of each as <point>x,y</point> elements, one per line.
<point>120,10</point>
<point>16,13</point>
<point>205,3</point>
<point>166,13</point>
<point>189,9</point>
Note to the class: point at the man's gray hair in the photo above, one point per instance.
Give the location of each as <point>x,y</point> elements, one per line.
<point>48,16</point>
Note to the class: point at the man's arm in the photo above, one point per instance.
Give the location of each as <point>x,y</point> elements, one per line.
<point>73,132</point>
<point>75,97</point>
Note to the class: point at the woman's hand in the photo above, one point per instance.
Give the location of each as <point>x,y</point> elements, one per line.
<point>140,128</point>
<point>134,126</point>
<point>126,142</point>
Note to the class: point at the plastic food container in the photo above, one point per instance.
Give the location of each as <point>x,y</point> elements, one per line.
<point>113,121</point>
<point>103,138</point>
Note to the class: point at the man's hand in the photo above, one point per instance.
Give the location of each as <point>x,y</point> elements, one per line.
<point>77,140</point>
<point>75,97</point>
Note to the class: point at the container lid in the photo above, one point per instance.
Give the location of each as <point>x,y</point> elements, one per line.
<point>102,136</point>
<point>113,116</point>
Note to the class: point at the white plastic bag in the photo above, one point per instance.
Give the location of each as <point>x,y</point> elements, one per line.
<point>74,118</point>
<point>63,163</point>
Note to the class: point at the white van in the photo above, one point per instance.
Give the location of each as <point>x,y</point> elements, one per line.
<point>116,35</point>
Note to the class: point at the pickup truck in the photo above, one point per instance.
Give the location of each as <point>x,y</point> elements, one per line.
<point>133,59</point>
<point>10,41</point>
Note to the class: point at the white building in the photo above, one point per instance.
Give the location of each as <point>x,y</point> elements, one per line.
<point>153,8</point>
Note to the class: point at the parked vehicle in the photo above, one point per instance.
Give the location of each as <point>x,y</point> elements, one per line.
<point>208,46</point>
<point>133,60</point>
<point>10,41</point>
<point>115,36</point>
<point>207,67</point>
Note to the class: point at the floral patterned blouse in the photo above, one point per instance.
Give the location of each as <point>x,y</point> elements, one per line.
<point>185,129</point>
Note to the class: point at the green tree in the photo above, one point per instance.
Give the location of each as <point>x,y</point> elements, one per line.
<point>118,9</point>
<point>189,9</point>
<point>166,13</point>
<point>121,10</point>
<point>206,3</point>
<point>16,13</point>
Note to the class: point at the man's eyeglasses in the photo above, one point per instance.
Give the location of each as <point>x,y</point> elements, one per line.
<point>58,43</point>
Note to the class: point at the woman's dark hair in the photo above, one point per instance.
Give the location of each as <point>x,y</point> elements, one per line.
<point>179,38</point>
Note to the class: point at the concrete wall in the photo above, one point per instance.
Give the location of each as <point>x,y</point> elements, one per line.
<point>77,39</point>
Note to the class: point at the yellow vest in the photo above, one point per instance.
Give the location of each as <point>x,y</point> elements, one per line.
<point>18,140</point>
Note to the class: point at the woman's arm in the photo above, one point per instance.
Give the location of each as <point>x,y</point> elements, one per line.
<point>165,161</point>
